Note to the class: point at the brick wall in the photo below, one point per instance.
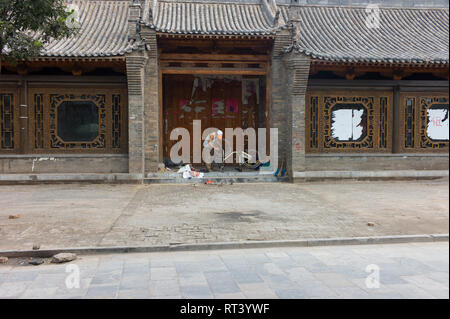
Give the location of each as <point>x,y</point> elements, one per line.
<point>151,103</point>
<point>135,75</point>
<point>289,80</point>
<point>278,105</point>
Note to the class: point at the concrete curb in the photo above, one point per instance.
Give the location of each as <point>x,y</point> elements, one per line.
<point>397,239</point>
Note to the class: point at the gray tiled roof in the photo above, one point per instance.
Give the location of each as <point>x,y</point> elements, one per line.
<point>405,35</point>
<point>215,17</point>
<point>103,33</point>
<point>326,32</point>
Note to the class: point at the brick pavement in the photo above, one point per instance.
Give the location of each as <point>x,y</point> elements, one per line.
<point>58,216</point>
<point>405,271</point>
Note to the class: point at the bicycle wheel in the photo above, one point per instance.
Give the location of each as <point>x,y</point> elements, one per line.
<point>251,165</point>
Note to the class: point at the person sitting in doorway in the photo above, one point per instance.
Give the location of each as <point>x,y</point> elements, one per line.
<point>213,142</point>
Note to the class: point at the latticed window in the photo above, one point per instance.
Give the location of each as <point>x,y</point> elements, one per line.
<point>8,122</point>
<point>364,122</point>
<point>340,122</point>
<point>424,123</point>
<point>91,120</point>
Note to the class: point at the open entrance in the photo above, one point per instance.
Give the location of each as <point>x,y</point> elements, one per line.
<point>219,82</point>
<point>219,101</point>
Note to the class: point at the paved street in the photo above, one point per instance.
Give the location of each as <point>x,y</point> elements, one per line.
<point>58,216</point>
<point>405,271</point>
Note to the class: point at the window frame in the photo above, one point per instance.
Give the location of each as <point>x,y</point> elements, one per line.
<point>420,120</point>
<point>319,121</point>
<point>49,118</point>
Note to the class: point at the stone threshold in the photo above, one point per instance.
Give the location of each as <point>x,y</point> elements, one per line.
<point>217,180</point>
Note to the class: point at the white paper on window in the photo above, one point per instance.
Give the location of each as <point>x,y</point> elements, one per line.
<point>357,129</point>
<point>437,128</point>
<point>346,124</point>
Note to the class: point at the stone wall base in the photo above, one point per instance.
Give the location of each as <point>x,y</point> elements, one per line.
<point>376,162</point>
<point>114,164</point>
<point>311,176</point>
<point>52,163</point>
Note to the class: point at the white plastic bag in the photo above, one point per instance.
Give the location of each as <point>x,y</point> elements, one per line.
<point>184,169</point>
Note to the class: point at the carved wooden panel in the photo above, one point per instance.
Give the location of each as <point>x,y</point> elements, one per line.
<point>384,123</point>
<point>38,124</point>
<point>116,121</point>
<point>78,120</point>
<point>409,121</point>
<point>348,121</point>
<point>424,122</point>
<point>314,123</point>
<point>9,121</point>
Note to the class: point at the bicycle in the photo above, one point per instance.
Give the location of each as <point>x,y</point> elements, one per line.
<point>244,159</point>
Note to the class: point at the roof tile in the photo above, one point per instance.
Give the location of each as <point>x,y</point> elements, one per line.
<point>103,32</point>
<point>227,18</point>
<point>404,35</point>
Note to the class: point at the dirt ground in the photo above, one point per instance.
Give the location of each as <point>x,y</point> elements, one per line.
<point>76,215</point>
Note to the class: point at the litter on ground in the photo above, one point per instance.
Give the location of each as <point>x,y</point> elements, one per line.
<point>189,173</point>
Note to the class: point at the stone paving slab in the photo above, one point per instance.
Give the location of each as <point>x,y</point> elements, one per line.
<point>80,215</point>
<point>406,271</point>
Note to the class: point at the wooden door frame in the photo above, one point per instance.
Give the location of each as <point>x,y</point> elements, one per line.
<point>214,63</point>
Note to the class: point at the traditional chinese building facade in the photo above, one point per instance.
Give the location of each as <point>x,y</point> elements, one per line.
<point>350,88</point>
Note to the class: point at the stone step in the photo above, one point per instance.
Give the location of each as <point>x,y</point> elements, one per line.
<point>215,179</point>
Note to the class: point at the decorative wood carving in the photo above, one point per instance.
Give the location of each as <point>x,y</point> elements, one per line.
<point>8,121</point>
<point>414,122</point>
<point>112,120</point>
<point>377,114</point>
